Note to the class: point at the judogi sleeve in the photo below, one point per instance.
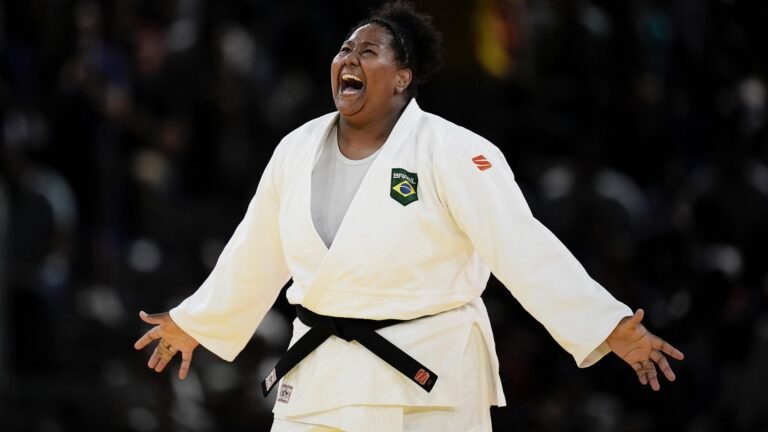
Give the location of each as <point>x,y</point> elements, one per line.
<point>249,274</point>
<point>488,206</point>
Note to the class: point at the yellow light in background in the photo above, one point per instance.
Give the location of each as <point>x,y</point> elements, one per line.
<point>496,36</point>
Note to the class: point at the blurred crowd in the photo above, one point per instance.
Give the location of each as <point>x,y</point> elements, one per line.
<point>134,132</point>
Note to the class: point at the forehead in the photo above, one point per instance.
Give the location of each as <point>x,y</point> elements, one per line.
<point>371,33</point>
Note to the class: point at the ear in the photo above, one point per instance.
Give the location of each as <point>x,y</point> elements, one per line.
<point>403,80</point>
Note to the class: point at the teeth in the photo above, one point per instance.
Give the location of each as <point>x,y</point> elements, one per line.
<point>347,76</point>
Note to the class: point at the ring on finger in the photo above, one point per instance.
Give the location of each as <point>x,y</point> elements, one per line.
<point>165,349</point>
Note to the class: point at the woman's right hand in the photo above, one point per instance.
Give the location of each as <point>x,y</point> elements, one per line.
<point>172,339</point>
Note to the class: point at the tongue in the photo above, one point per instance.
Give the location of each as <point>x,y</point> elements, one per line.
<point>350,90</point>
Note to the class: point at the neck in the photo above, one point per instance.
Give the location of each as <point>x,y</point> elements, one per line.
<point>358,140</point>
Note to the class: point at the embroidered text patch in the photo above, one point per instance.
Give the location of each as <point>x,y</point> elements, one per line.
<point>403,187</point>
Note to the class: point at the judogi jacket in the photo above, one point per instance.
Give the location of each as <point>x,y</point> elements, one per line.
<point>438,210</point>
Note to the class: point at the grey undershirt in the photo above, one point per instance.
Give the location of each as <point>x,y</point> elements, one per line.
<point>335,180</point>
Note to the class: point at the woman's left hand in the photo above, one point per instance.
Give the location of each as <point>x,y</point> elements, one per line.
<point>642,350</point>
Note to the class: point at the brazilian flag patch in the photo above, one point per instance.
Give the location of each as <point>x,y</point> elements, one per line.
<point>403,188</point>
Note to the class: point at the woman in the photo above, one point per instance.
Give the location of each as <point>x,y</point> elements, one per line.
<point>383,212</point>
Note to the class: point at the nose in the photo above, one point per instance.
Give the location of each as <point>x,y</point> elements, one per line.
<point>352,58</point>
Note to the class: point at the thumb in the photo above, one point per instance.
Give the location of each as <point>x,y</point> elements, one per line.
<point>638,316</point>
<point>157,319</point>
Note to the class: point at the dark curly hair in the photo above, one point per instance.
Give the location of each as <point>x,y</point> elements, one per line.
<point>416,41</point>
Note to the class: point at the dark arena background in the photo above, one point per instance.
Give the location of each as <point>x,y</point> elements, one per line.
<point>134,133</point>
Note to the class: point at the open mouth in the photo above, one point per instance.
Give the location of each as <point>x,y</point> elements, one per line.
<point>350,84</point>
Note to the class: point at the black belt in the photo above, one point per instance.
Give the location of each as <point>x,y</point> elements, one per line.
<point>349,329</point>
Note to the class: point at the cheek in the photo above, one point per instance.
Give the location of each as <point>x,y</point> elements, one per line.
<point>335,67</point>
<point>384,82</point>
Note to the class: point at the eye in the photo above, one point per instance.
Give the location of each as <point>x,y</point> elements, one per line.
<point>345,49</point>
<point>369,51</point>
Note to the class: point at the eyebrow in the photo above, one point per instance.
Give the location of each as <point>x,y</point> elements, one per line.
<point>349,41</point>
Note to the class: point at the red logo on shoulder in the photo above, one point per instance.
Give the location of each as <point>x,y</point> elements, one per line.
<point>481,162</point>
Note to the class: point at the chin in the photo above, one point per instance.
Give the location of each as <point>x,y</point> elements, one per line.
<point>347,109</point>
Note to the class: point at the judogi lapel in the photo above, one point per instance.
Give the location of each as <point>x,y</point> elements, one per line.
<point>356,230</point>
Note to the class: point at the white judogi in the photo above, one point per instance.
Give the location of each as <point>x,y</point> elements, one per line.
<point>399,254</point>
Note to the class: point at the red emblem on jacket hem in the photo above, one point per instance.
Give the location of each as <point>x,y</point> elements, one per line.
<point>421,376</point>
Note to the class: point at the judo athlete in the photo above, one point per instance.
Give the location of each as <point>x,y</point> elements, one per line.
<point>389,220</point>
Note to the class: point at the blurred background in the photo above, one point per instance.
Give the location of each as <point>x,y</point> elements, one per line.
<point>134,133</point>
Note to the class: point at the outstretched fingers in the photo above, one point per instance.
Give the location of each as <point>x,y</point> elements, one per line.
<point>155,318</point>
<point>154,359</point>
<point>667,349</point>
<point>646,374</point>
<point>641,376</point>
<point>153,334</point>
<point>170,340</point>
<point>161,356</point>
<point>660,360</point>
<point>162,362</point>
<point>186,361</point>
<point>650,373</point>
<point>643,351</point>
